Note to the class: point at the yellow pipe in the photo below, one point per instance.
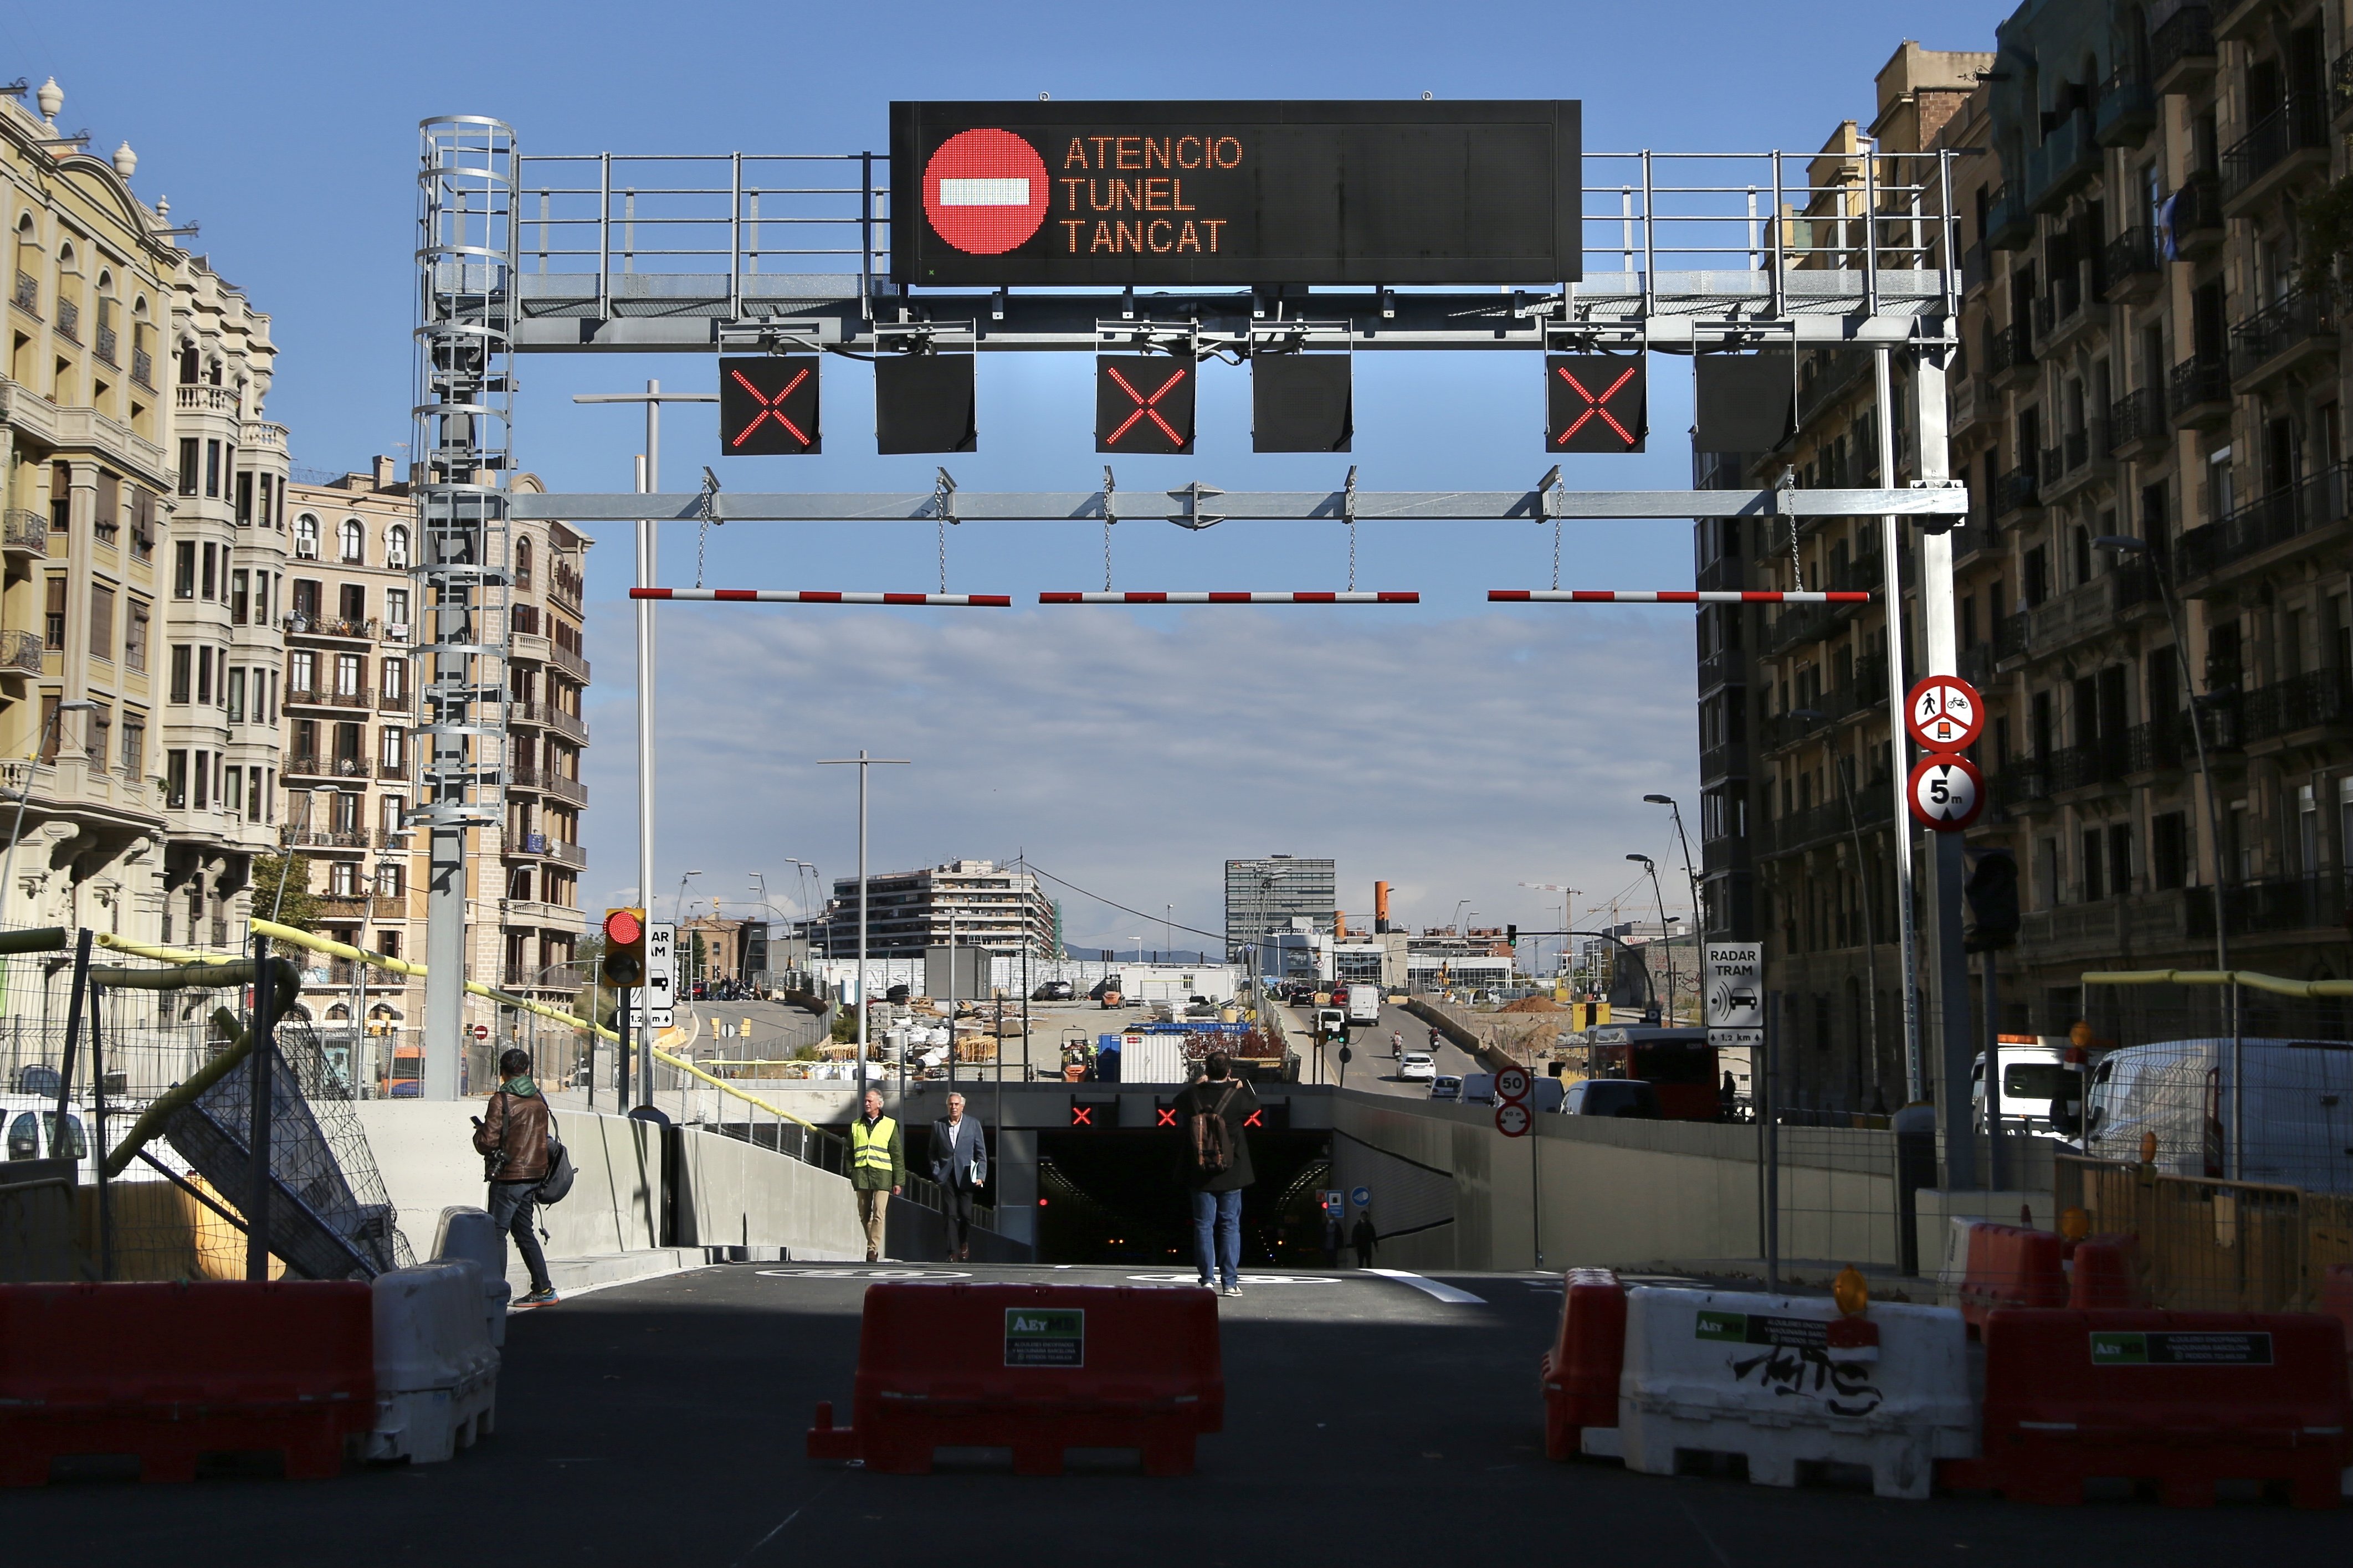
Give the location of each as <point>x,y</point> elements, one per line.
<point>164,955</point>
<point>340,950</point>
<point>2251,979</point>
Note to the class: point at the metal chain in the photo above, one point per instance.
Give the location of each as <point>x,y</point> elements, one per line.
<point>1797,567</point>
<point>1106,554</point>
<point>1555,555</point>
<point>701,539</point>
<point>707,514</point>
<point>1352,555</point>
<point>944,554</point>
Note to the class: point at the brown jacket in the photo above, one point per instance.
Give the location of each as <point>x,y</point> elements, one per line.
<point>517,1123</point>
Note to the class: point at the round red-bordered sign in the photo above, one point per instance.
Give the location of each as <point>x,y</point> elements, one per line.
<point>1511,1119</point>
<point>1947,791</point>
<point>1512,1083</point>
<point>1944,713</point>
<point>984,191</point>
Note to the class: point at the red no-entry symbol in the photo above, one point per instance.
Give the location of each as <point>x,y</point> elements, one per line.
<point>768,404</point>
<point>984,191</point>
<point>1594,402</point>
<point>1143,403</point>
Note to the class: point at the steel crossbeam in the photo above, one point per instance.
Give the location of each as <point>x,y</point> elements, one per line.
<point>1199,506</point>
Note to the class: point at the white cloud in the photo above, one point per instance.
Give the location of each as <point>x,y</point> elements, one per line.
<point>1133,754</point>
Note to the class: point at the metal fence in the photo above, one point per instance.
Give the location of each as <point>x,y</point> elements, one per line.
<point>2217,1246</point>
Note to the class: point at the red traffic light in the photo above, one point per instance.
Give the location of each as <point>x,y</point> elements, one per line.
<point>625,947</point>
<point>624,927</point>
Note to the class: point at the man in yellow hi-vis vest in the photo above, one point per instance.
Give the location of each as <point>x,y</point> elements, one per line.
<point>878,1168</point>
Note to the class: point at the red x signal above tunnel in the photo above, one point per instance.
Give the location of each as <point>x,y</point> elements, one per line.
<point>1594,402</point>
<point>1168,1116</point>
<point>1143,403</point>
<point>768,404</point>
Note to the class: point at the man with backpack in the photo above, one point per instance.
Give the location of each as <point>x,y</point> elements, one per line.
<point>1213,1112</point>
<point>514,1141</point>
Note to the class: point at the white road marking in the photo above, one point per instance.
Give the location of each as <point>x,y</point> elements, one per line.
<point>1442,1291</point>
<point>863,1274</point>
<point>1245,1279</point>
<point>997,192</point>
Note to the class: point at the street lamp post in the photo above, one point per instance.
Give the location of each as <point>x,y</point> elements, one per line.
<point>1651,867</point>
<point>40,743</point>
<point>1690,875</point>
<point>862,762</point>
<point>2121,544</point>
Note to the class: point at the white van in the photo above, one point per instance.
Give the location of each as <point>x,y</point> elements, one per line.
<point>2298,1112</point>
<point>2033,1076</point>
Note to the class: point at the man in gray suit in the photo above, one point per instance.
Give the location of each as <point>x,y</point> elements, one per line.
<point>960,1165</point>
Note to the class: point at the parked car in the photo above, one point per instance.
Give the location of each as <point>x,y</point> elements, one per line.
<point>1611,1097</point>
<point>1417,1065</point>
<point>1053,991</point>
<point>1445,1089</point>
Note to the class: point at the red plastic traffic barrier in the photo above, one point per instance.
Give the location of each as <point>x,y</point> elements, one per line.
<point>2105,1272</point>
<point>2183,1399</point>
<point>1033,1368</point>
<point>1580,1371</point>
<point>171,1371</point>
<point>2011,1266</point>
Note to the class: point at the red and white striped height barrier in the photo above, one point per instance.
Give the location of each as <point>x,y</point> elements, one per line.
<point>1666,596</point>
<point>1206,598</point>
<point>820,596</point>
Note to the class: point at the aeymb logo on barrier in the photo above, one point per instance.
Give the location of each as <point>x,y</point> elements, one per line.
<point>984,191</point>
<point>1045,1336</point>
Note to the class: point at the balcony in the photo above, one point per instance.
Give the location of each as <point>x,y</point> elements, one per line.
<point>326,767</point>
<point>28,295</point>
<point>2130,266</point>
<point>260,433</point>
<point>1973,537</point>
<point>2181,52</point>
<point>2194,220</point>
<point>330,626</point>
<point>1974,664</point>
<point>2299,511</point>
<point>2090,766</point>
<point>2079,460</point>
<point>2318,903</point>
<point>2126,113</point>
<point>545,782</point>
<point>20,653</point>
<point>1966,407</point>
<point>2010,360</point>
<point>396,702</point>
<point>24,532</point>
<point>1871,805</point>
<point>2295,711</point>
<point>1799,624</point>
<point>1827,375</point>
<point>69,321</point>
<point>2199,392</point>
<point>2012,636</point>
<point>2020,786</point>
<point>143,368</point>
<point>547,716</point>
<point>2010,224</point>
<point>304,697</point>
<point>2068,158</point>
<point>109,347</point>
<point>2280,337</point>
<point>355,906</point>
<point>308,837</point>
<point>571,663</point>
<point>2017,491</point>
<point>2060,316</point>
<point>393,772</point>
<point>200,399</point>
<point>1977,267</point>
<point>1722,668</point>
<point>2293,138</point>
<point>2136,425</point>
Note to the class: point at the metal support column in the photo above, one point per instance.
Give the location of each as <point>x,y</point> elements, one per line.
<point>1893,535</point>
<point>462,419</point>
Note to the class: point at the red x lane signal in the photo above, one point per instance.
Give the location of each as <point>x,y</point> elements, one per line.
<point>1594,402</point>
<point>768,405</point>
<point>1082,1116</point>
<point>1255,1118</point>
<point>1143,403</point>
<point>1168,1116</point>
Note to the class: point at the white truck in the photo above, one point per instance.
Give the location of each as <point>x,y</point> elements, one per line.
<point>2297,1115</point>
<point>1364,1006</point>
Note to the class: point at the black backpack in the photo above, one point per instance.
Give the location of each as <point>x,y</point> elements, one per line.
<point>560,1172</point>
<point>1213,1140</point>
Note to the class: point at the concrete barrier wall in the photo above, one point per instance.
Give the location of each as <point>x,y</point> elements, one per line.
<point>732,1195</point>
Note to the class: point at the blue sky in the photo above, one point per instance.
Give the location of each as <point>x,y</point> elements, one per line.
<point>1452,752</point>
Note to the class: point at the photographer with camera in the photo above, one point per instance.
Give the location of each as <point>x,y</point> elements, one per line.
<point>513,1144</point>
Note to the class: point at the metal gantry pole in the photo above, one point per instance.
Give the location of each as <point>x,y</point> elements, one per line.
<point>1891,555</point>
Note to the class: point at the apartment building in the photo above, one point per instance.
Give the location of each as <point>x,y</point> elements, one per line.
<point>974,903</point>
<point>349,707</point>
<point>139,478</point>
<point>1265,895</point>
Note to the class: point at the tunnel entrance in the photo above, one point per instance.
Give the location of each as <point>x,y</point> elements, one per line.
<point>1120,1197</point>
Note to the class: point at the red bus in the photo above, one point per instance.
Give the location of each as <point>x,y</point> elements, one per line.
<point>1678,1062</point>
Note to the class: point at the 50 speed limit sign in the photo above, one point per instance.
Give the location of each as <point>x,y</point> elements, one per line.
<point>1946,792</point>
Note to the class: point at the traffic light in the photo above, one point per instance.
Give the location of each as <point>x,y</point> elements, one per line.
<point>1992,894</point>
<point>768,404</point>
<point>625,947</point>
<point>1143,403</point>
<point>1594,402</point>
<point>1511,935</point>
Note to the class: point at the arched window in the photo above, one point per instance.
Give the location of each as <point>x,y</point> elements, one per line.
<point>351,542</point>
<point>213,373</point>
<point>29,263</point>
<point>523,563</point>
<point>68,294</point>
<point>109,342</point>
<point>395,545</point>
<point>306,537</point>
<point>142,343</point>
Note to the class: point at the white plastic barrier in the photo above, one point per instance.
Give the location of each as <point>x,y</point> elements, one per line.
<point>436,1373</point>
<point>1767,1377</point>
<point>467,1233</point>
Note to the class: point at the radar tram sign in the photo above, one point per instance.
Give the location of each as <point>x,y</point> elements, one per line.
<point>1732,991</point>
<point>1945,716</point>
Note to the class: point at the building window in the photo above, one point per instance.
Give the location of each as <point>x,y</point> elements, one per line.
<point>188,446</point>
<point>142,524</point>
<point>183,664</point>
<point>205,677</point>
<point>306,601</point>
<point>236,695</point>
<point>134,636</point>
<point>213,469</point>
<point>343,879</point>
<point>389,814</point>
<point>253,795</point>
<point>395,681</point>
<point>302,674</point>
<point>351,675</point>
<point>134,746</point>
<point>395,612</point>
<point>245,499</point>
<point>101,737</point>
<point>175,779</point>
<point>346,811</point>
<point>188,367</point>
<point>240,596</point>
<point>351,602</point>
<point>212,578</point>
<point>395,545</point>
<point>392,751</point>
<point>522,564</point>
<point>101,622</point>
<point>233,792</point>
<point>184,570</point>
<point>390,881</point>
<point>351,542</point>
<point>106,519</point>
<point>53,619</point>
<point>306,537</point>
